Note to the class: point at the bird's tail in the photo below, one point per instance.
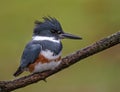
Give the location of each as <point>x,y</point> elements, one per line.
<point>18,72</point>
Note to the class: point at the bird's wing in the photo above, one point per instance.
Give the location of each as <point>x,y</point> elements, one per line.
<point>30,54</point>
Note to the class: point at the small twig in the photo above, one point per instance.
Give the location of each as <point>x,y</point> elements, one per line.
<point>7,86</point>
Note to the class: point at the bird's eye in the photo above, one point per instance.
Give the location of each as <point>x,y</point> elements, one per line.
<point>59,32</point>
<point>53,31</point>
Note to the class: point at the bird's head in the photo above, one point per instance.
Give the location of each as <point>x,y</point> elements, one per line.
<point>51,27</point>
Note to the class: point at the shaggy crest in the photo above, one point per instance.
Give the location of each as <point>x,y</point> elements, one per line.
<point>47,20</point>
<point>48,23</point>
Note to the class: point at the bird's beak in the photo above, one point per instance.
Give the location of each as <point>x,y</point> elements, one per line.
<point>70,36</point>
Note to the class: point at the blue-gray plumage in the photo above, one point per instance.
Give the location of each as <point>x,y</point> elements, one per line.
<point>43,52</point>
<point>33,49</point>
<point>31,52</point>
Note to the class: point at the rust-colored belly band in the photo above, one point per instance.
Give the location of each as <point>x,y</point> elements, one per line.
<point>41,59</point>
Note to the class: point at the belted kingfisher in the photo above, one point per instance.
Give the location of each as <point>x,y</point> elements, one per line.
<point>43,52</point>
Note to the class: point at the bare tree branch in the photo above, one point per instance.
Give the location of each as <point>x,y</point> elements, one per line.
<point>7,86</point>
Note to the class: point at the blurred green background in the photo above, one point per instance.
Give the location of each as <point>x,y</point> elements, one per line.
<point>91,19</point>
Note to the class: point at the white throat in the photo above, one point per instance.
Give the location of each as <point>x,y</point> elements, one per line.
<point>42,38</point>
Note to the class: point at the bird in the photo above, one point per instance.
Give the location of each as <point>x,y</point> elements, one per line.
<point>43,51</point>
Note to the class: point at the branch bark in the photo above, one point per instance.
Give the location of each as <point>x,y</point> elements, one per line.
<point>7,86</point>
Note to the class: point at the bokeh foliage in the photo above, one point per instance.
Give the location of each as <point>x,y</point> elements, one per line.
<point>91,19</point>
